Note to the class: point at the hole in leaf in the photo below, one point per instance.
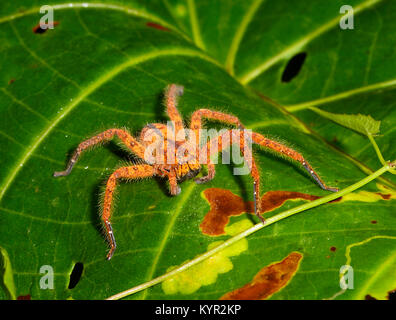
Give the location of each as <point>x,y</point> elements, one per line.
<point>76,274</point>
<point>293,67</point>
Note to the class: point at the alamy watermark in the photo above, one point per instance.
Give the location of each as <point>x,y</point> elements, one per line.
<point>47,20</point>
<point>346,21</point>
<point>346,277</point>
<point>47,280</point>
<point>201,146</point>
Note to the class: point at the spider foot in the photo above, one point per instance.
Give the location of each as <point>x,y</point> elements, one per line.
<point>175,190</point>
<point>332,189</point>
<point>110,253</point>
<point>110,238</point>
<point>67,171</point>
<point>179,90</point>
<point>203,179</point>
<point>61,173</point>
<point>260,217</point>
<point>200,180</point>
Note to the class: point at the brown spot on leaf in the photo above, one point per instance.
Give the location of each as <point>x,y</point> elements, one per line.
<point>384,196</point>
<point>268,280</point>
<point>38,30</point>
<point>11,81</point>
<point>224,204</point>
<point>333,249</point>
<point>26,297</point>
<point>373,221</point>
<point>368,297</point>
<point>156,26</point>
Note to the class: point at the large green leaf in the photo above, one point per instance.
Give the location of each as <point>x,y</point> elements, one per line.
<point>106,64</point>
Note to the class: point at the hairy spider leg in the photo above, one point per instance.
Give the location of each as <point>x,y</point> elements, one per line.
<point>174,187</point>
<point>198,115</point>
<point>172,92</point>
<point>132,172</point>
<point>211,147</point>
<point>255,174</point>
<point>129,141</point>
<point>196,125</point>
<point>282,149</point>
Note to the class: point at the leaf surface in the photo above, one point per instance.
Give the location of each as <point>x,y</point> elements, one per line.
<point>105,65</point>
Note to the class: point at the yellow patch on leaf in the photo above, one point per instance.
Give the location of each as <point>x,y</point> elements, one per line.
<point>207,271</point>
<point>367,196</point>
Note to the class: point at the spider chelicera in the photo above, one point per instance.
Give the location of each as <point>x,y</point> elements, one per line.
<point>179,168</point>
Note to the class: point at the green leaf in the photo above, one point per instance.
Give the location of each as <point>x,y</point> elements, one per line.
<point>8,277</point>
<point>363,124</point>
<point>106,64</point>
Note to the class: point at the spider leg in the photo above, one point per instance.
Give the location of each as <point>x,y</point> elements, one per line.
<point>105,136</point>
<point>209,176</point>
<point>218,144</point>
<point>249,159</point>
<point>174,187</point>
<point>132,172</point>
<point>282,149</point>
<point>172,92</point>
<point>198,115</point>
<point>196,125</point>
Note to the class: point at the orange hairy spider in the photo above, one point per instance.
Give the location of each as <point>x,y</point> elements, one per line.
<point>170,164</point>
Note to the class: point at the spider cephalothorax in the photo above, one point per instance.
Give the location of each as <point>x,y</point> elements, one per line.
<point>169,151</point>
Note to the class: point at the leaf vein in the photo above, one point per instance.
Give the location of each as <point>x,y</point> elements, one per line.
<point>296,46</point>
